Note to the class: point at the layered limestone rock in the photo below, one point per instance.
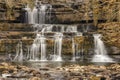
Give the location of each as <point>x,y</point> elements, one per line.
<point>64,11</point>
<point>12,34</point>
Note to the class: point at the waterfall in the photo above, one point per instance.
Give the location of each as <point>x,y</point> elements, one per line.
<point>57,47</point>
<point>62,29</point>
<point>42,14</point>
<point>33,16</point>
<point>30,15</point>
<point>27,14</point>
<point>19,52</point>
<point>73,49</point>
<point>99,45</point>
<point>38,14</point>
<point>38,49</point>
<point>100,50</point>
<point>49,28</point>
<point>71,29</point>
<point>77,53</point>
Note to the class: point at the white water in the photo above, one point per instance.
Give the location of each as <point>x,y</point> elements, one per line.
<point>38,49</point>
<point>30,15</point>
<point>71,29</point>
<point>100,50</point>
<point>77,53</point>
<point>57,47</point>
<point>73,49</point>
<point>37,15</point>
<point>42,14</point>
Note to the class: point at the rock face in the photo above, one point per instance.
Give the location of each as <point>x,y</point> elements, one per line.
<point>11,34</point>
<point>111,35</point>
<point>64,11</point>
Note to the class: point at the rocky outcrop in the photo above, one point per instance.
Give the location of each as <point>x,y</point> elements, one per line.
<point>111,35</point>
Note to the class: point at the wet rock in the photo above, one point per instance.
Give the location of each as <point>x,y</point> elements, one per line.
<point>75,79</point>
<point>103,78</point>
<point>75,74</point>
<point>115,50</point>
<point>35,78</point>
<point>47,75</point>
<point>36,73</point>
<point>44,69</point>
<point>95,78</point>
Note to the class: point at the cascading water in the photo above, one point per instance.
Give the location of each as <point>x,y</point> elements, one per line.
<point>42,14</point>
<point>38,14</point>
<point>85,28</point>
<point>49,28</point>
<point>34,15</point>
<point>38,49</point>
<point>74,50</point>
<point>27,14</point>
<point>77,53</point>
<point>37,17</point>
<point>57,47</point>
<point>100,50</point>
<point>71,29</point>
<point>62,29</point>
<point>19,53</point>
<point>49,13</point>
<point>30,15</point>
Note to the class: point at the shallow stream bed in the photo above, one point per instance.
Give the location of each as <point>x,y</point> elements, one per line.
<point>64,70</point>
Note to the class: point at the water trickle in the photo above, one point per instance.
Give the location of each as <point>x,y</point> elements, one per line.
<point>19,53</point>
<point>57,47</point>
<point>77,53</point>
<point>100,50</point>
<point>73,48</point>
